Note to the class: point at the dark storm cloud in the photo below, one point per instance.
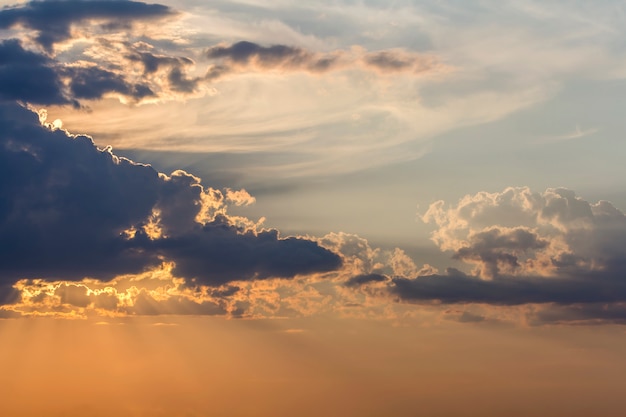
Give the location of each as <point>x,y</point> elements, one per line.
<point>92,83</point>
<point>69,210</point>
<point>598,313</point>
<point>53,19</point>
<point>153,62</point>
<point>35,78</point>
<point>458,288</point>
<point>175,67</point>
<point>363,279</point>
<point>64,203</point>
<point>218,253</point>
<point>28,76</point>
<point>246,53</point>
<point>8,295</point>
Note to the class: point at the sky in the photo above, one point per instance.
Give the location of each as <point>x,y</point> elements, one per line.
<point>341,208</point>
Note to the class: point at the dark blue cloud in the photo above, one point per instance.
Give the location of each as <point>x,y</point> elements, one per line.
<point>458,288</point>
<point>274,56</point>
<point>32,77</point>
<point>66,207</point>
<point>218,252</point>
<point>92,83</point>
<point>363,279</point>
<point>29,76</point>
<point>52,19</point>
<point>178,80</point>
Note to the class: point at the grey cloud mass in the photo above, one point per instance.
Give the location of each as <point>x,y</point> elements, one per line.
<point>246,53</point>
<point>133,70</point>
<point>92,83</point>
<point>32,77</point>
<point>174,65</point>
<point>52,19</point>
<point>250,55</point>
<point>497,249</point>
<point>552,248</point>
<point>70,210</point>
<point>458,288</point>
<point>358,280</point>
<point>29,76</point>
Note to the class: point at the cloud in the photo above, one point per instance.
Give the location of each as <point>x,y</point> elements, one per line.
<point>458,288</point>
<point>153,62</point>
<point>29,76</point>
<point>363,279</point>
<point>549,233</point>
<point>154,292</point>
<point>125,65</point>
<point>103,66</point>
<point>360,259</point>
<point>395,61</point>
<point>33,77</point>
<point>93,83</point>
<point>249,56</point>
<point>239,197</point>
<point>53,19</point>
<point>551,248</point>
<point>498,249</point>
<point>592,313</point>
<point>219,252</point>
<point>244,53</point>
<point>70,210</point>
<point>173,66</point>
<point>8,294</point>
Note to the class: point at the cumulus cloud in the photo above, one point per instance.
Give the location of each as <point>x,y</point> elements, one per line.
<point>70,210</point>
<point>551,248</point>
<point>361,259</point>
<point>526,233</point>
<point>161,290</point>
<point>155,292</point>
<point>52,20</point>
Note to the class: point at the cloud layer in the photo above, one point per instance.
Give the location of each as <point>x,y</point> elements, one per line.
<point>73,216</point>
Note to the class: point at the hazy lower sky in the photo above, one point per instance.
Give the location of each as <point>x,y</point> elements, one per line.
<point>341,208</point>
